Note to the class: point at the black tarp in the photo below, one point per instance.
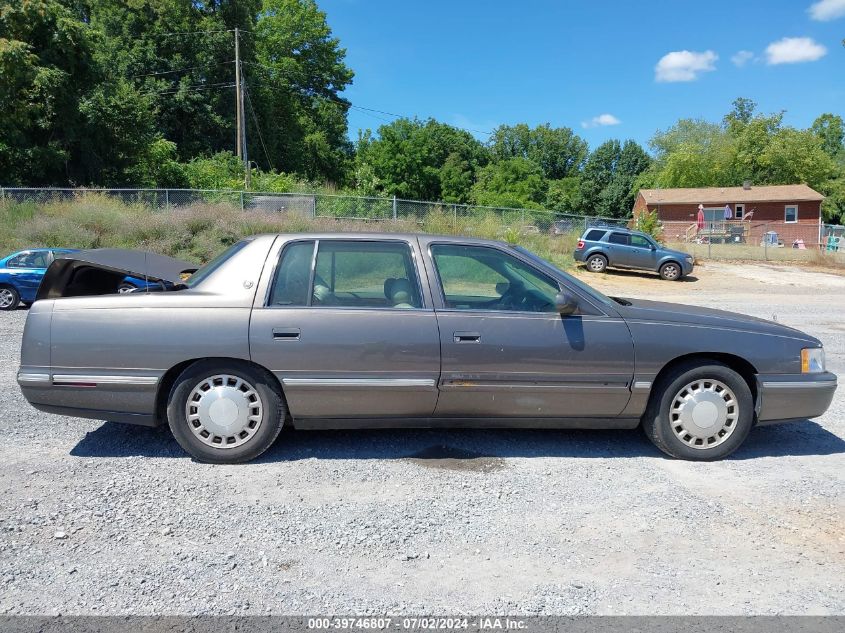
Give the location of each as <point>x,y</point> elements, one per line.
<point>99,271</point>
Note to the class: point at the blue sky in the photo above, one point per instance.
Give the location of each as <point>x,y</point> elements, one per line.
<point>478,64</point>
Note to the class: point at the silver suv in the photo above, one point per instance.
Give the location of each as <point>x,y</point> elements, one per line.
<point>623,248</point>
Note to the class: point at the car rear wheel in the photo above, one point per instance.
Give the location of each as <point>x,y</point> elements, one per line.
<point>225,413</point>
<point>700,412</point>
<point>10,299</point>
<point>597,263</point>
<point>670,271</point>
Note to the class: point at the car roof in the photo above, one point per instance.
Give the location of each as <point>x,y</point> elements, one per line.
<point>429,237</point>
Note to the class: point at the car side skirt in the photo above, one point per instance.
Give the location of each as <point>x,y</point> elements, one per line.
<point>464,423</point>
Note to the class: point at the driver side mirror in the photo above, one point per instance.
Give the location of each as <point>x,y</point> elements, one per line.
<point>565,303</point>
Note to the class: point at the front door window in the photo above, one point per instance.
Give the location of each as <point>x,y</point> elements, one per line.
<point>483,278</point>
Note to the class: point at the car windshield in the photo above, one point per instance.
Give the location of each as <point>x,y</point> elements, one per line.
<point>214,264</point>
<point>587,290</point>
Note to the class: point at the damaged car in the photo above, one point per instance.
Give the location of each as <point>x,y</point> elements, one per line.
<point>341,331</point>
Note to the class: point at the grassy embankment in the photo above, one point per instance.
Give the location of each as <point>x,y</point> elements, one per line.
<point>198,232</point>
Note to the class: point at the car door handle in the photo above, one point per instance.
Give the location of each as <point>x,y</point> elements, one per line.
<point>286,334</point>
<point>467,337</point>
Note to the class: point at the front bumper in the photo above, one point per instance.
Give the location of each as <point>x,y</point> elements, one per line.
<point>687,267</point>
<point>785,397</point>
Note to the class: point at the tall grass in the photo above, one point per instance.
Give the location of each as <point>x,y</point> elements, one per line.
<point>198,232</point>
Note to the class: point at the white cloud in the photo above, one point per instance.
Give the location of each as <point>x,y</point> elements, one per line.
<point>601,120</point>
<point>826,10</point>
<point>794,50</point>
<point>742,58</point>
<point>684,65</point>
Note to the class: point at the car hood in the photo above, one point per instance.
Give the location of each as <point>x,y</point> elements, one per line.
<point>664,312</point>
<point>99,271</point>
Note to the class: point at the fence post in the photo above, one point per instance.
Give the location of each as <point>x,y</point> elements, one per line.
<point>454,218</point>
<point>167,198</point>
<point>766,242</point>
<point>242,200</point>
<point>394,208</point>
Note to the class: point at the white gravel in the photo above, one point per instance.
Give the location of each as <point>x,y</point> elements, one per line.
<point>101,518</point>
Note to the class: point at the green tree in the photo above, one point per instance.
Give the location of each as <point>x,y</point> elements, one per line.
<point>559,152</point>
<point>830,130</point>
<point>45,68</point>
<point>562,195</point>
<point>515,182</point>
<point>423,160</point>
<point>607,183</point>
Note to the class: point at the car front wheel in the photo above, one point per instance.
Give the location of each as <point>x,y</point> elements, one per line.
<point>225,413</point>
<point>125,287</point>
<point>597,263</point>
<point>10,299</point>
<point>700,412</point>
<point>670,271</point>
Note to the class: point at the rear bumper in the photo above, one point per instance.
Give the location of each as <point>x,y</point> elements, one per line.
<point>785,397</point>
<point>578,256</point>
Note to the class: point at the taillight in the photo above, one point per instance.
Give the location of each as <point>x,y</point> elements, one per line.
<point>580,244</point>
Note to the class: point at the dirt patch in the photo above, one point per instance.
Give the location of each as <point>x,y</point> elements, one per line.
<point>450,458</point>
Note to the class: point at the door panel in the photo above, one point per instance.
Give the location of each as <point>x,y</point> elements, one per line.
<point>505,350</point>
<point>640,253</point>
<point>340,363</point>
<point>347,331</point>
<point>539,365</point>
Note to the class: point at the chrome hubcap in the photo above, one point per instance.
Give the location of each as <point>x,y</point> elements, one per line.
<point>224,411</point>
<point>597,263</point>
<point>704,413</point>
<point>670,271</point>
<point>6,298</point>
<point>124,289</point>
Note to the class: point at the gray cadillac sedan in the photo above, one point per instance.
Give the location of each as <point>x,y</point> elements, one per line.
<point>373,330</point>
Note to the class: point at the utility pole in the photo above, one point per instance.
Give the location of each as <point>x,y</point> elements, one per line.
<point>247,174</point>
<point>239,140</point>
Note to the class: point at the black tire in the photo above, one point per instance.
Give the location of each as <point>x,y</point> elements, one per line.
<point>596,263</point>
<point>657,421</point>
<point>272,418</point>
<point>671,271</point>
<point>10,298</point>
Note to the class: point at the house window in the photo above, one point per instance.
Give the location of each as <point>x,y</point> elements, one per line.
<point>791,214</point>
<point>739,211</point>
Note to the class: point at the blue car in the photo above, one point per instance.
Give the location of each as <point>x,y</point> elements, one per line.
<point>21,274</point>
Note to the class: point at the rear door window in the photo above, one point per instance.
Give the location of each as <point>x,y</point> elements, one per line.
<point>619,238</point>
<point>361,274</point>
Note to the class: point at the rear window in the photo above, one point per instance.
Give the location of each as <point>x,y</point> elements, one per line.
<point>618,238</point>
<point>594,235</point>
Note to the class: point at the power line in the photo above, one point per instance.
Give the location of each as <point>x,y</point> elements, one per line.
<point>258,128</point>
<point>178,70</point>
<point>194,88</point>
<point>188,33</point>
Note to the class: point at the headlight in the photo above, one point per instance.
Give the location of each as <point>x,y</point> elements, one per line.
<point>812,360</point>
<point>689,259</point>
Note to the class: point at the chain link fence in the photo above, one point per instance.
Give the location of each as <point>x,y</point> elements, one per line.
<point>763,241</point>
<point>729,239</point>
<point>341,207</point>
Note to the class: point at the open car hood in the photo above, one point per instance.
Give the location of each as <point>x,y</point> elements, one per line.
<point>99,271</point>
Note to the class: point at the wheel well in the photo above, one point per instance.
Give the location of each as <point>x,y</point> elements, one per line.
<point>165,385</point>
<point>672,261</point>
<point>738,364</point>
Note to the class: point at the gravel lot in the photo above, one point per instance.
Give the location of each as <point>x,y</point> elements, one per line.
<point>100,518</point>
